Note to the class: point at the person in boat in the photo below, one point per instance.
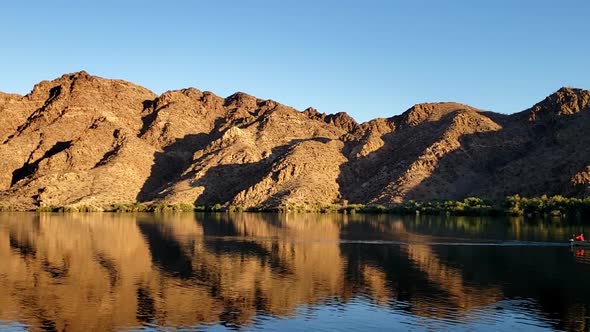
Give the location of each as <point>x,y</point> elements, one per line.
<point>579,237</point>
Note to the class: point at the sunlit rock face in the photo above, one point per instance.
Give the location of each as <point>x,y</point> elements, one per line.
<point>82,140</point>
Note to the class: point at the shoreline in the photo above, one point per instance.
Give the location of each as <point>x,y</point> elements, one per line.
<point>515,205</point>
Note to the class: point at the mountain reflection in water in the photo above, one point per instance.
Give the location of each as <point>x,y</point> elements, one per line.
<point>288,271</point>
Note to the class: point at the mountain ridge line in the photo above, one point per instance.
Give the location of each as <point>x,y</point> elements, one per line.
<point>86,140</point>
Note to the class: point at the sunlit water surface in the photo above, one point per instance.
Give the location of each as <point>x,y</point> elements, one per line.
<point>102,272</point>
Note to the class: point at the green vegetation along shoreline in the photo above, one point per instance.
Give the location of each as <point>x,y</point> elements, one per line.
<point>515,205</point>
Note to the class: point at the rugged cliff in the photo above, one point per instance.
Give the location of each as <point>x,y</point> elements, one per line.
<point>85,140</point>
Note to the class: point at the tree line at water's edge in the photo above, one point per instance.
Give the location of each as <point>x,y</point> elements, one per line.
<point>515,205</point>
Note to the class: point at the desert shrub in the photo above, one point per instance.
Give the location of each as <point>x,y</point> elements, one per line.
<point>235,208</point>
<point>217,207</point>
<point>46,209</point>
<point>184,207</point>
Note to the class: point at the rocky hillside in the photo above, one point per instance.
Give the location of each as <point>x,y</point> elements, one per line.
<point>85,140</point>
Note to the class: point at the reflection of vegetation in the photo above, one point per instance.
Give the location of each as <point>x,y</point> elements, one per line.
<point>548,275</point>
<point>184,269</point>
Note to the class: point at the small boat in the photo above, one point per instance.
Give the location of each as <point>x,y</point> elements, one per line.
<point>575,243</point>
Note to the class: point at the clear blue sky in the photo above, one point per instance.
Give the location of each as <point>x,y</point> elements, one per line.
<point>368,58</point>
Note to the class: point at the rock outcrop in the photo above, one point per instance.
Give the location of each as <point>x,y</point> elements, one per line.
<point>85,140</point>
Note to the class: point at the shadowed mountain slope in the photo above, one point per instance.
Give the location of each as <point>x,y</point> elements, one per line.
<point>85,140</point>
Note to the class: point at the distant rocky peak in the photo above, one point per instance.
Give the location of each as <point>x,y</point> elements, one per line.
<point>192,93</point>
<point>82,75</point>
<point>424,112</point>
<point>341,119</point>
<point>241,100</point>
<point>565,101</point>
<point>172,96</point>
<point>313,114</point>
<point>83,83</point>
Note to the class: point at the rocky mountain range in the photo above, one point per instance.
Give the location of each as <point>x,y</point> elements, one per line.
<point>86,140</point>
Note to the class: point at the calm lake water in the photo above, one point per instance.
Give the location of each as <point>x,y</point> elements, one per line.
<point>101,272</point>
